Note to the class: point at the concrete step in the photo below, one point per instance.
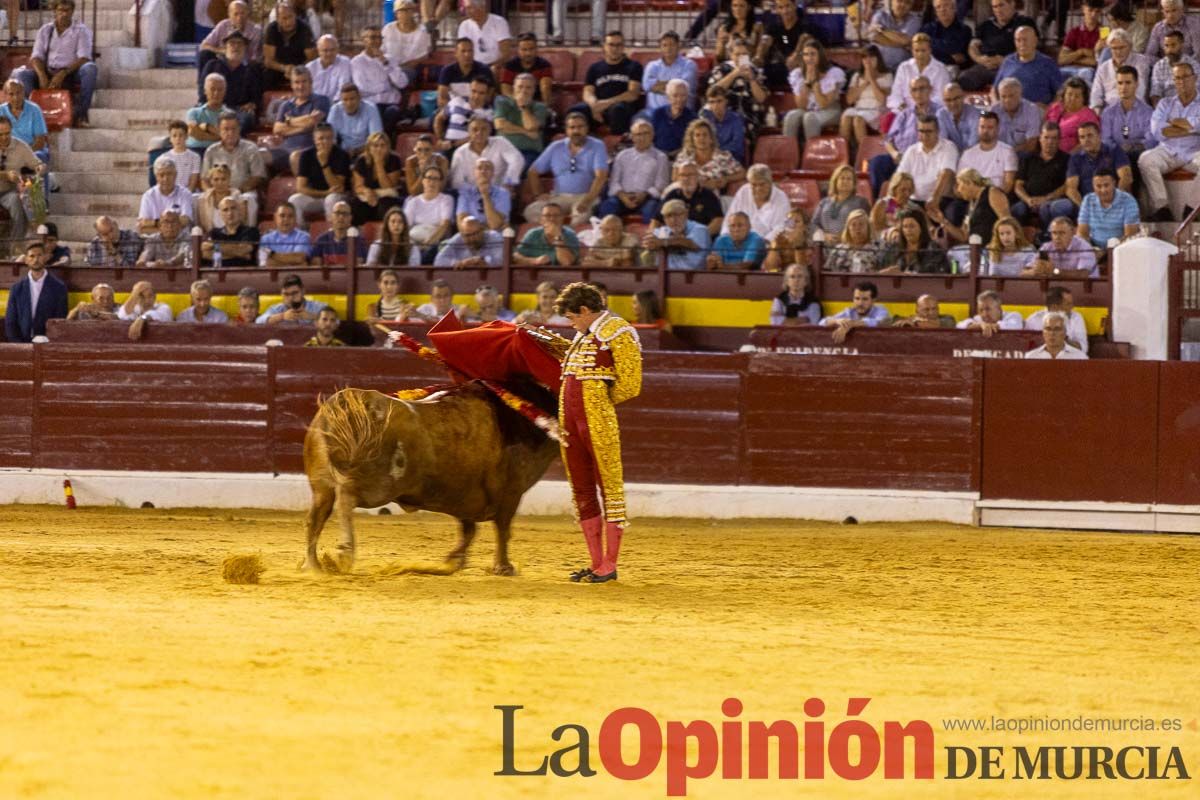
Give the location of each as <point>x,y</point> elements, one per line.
<point>114,140</point>
<point>149,79</point>
<point>137,122</point>
<point>101,182</point>
<point>98,162</point>
<point>146,98</point>
<point>114,204</point>
<point>112,38</point>
<point>109,5</point>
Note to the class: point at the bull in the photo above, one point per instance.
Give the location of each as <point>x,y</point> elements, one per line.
<point>461,452</point>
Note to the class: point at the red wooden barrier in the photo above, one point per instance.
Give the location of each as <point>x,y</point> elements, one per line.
<point>1071,431</point>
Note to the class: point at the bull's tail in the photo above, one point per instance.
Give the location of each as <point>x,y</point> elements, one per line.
<point>353,428</point>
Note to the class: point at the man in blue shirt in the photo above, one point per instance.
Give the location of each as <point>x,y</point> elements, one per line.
<point>579,166</point>
<point>1107,213</point>
<point>1037,72</point>
<point>661,70</point>
<point>863,312</point>
<point>1089,158</point>
<point>957,119</point>
<point>473,246</point>
<point>1176,124</point>
<point>685,242</point>
<point>353,120</point>
<point>671,121</point>
<point>1125,124</point>
<point>1020,120</point>
<point>741,248</point>
<point>333,246</point>
<point>297,117</point>
<point>729,124</point>
<point>483,199</point>
<point>29,124</point>
<point>287,245</point>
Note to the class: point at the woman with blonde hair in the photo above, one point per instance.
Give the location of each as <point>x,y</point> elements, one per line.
<point>1008,253</point>
<point>834,209</point>
<point>543,313</point>
<point>796,304</point>
<point>985,205</point>
<point>898,198</point>
<point>856,251</point>
<point>718,168</point>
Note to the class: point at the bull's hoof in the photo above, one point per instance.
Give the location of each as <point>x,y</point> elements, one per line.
<point>505,569</point>
<point>309,564</point>
<point>341,562</point>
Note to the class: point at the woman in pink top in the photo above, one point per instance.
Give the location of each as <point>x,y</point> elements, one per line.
<point>1070,112</point>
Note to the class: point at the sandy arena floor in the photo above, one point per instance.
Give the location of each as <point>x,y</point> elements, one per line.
<point>129,669</point>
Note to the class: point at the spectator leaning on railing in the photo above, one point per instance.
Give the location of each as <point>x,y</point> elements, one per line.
<point>169,246</point>
<point>101,306</point>
<point>796,304</point>
<point>247,306</point>
<point>112,246</point>
<point>237,240</point>
<point>294,307</point>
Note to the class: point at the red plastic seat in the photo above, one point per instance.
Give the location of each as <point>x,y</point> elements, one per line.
<point>406,143</point>
<point>824,154</point>
<point>317,227</point>
<point>566,96</point>
<point>864,190</point>
<point>370,231</point>
<point>868,148</point>
<point>644,57</point>
<point>278,191</point>
<point>55,105</point>
<point>585,60</point>
<point>803,192</point>
<point>562,62</point>
<point>780,153</point>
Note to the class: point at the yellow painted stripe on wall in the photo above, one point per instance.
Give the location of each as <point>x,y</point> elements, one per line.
<point>687,311</point>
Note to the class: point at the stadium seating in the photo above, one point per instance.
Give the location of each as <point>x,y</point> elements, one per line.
<point>585,60</point>
<point>824,154</point>
<point>279,190</point>
<point>562,62</point>
<point>780,153</point>
<point>803,192</point>
<point>868,148</point>
<point>405,143</point>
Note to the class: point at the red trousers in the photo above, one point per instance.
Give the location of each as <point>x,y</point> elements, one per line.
<point>592,450</point>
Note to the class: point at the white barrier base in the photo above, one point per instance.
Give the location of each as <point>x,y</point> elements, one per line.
<point>291,493</point>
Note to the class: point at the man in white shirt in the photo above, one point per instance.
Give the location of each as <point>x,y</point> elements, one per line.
<point>405,42</point>
<point>165,195</point>
<point>379,81</point>
<point>480,144</point>
<point>932,161</point>
<point>921,64</point>
<point>1060,301</point>
<point>639,176</point>
<point>1054,336</point>
<point>143,305</point>
<point>330,70</point>
<point>1104,85</point>
<point>992,158</point>
<point>489,32</point>
<point>991,316</point>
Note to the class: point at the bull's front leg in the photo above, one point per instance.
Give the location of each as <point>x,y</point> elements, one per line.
<point>458,556</point>
<point>501,565</point>
<point>344,555</point>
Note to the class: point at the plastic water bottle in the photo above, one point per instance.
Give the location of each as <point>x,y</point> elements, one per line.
<point>216,255</point>
<point>772,117</point>
<point>954,266</point>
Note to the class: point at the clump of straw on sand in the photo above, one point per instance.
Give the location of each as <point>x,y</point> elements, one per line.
<point>242,569</point>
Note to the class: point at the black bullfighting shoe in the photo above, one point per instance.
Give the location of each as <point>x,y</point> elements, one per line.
<point>580,574</point>
<point>594,578</point>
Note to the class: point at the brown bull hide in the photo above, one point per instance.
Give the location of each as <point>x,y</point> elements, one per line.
<point>461,453</point>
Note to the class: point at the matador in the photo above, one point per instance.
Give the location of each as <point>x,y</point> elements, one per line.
<point>601,369</point>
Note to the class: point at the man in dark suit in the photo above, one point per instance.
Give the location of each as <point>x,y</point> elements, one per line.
<point>37,297</point>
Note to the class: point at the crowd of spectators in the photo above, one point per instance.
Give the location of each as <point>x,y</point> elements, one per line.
<point>653,162</point>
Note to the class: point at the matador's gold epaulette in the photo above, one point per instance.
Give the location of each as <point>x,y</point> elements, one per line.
<point>550,341</point>
<point>613,327</point>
